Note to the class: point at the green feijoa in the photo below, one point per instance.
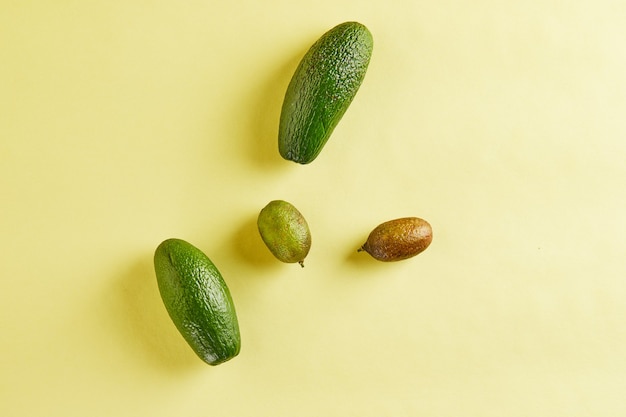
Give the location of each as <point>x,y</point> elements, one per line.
<point>398,239</point>
<point>284,231</point>
<point>321,89</point>
<point>197,300</point>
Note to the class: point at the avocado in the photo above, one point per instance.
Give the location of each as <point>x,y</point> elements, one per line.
<point>321,89</point>
<point>197,300</point>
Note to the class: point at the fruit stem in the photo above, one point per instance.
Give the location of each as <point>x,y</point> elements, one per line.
<point>301,263</point>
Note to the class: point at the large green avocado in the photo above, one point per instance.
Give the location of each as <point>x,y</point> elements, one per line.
<point>321,89</point>
<point>197,300</point>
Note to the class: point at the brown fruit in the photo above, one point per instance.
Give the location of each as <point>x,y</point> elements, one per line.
<point>398,239</point>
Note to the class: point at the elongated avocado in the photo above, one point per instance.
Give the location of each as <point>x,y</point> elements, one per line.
<point>321,89</point>
<point>197,300</point>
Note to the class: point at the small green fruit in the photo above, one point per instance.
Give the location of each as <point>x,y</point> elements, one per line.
<point>398,239</point>
<point>284,231</point>
<point>197,300</point>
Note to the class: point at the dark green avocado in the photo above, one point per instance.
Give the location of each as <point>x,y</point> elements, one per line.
<point>197,300</point>
<point>321,89</point>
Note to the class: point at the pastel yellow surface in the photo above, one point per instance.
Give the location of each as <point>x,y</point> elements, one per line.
<point>123,123</point>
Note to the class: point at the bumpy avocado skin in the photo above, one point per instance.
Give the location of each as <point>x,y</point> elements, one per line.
<point>321,89</point>
<point>197,300</point>
<point>398,239</point>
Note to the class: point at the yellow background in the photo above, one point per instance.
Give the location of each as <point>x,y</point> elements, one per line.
<point>123,123</point>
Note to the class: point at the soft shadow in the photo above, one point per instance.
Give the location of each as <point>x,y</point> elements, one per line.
<point>361,259</point>
<point>249,246</point>
<point>268,101</point>
<point>356,257</point>
<point>144,324</point>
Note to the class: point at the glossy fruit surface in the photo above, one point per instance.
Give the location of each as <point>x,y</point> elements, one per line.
<point>284,231</point>
<point>197,300</point>
<point>398,239</point>
<point>321,89</point>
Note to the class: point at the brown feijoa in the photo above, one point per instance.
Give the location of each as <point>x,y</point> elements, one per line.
<point>398,239</point>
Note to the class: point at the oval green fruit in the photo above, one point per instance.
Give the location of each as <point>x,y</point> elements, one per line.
<point>398,239</point>
<point>321,89</point>
<point>197,300</point>
<point>284,231</point>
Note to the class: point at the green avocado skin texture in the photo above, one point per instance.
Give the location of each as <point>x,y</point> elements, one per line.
<point>321,89</point>
<point>197,300</point>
